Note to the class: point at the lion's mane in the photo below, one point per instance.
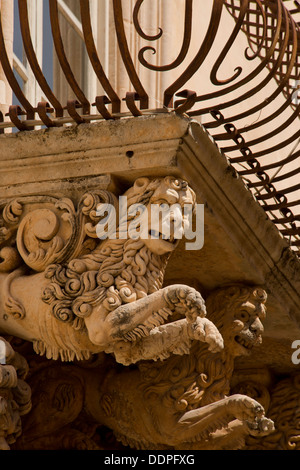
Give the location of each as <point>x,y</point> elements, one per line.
<point>116,272</point>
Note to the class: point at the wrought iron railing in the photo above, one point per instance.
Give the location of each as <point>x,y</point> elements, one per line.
<point>252,112</point>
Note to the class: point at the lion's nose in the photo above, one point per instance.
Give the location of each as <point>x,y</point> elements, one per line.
<point>256,326</point>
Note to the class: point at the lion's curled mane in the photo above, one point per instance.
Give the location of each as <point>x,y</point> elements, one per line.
<point>117,271</point>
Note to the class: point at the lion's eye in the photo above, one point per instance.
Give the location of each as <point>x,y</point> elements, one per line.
<point>243,315</point>
<point>177,183</point>
<point>283,424</point>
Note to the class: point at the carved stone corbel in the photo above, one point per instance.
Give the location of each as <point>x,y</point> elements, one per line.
<point>74,295</point>
<point>77,294</point>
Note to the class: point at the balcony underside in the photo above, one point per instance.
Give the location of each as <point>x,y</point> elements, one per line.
<point>241,244</point>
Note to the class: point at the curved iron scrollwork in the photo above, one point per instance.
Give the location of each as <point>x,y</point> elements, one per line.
<point>185,43</point>
<point>252,121</point>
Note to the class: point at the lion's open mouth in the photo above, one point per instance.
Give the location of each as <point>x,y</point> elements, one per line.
<point>161,236</point>
<point>246,343</point>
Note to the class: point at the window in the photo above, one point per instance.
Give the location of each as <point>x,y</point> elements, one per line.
<point>41,37</point>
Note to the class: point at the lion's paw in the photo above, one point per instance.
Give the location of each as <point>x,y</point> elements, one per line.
<point>245,408</point>
<point>261,427</point>
<point>204,330</point>
<point>187,301</point>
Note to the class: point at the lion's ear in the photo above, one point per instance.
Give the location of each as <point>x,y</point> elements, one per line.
<point>139,188</point>
<point>141,183</point>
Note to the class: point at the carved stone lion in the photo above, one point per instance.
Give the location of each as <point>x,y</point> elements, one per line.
<point>73,295</point>
<point>181,402</point>
<point>185,399</point>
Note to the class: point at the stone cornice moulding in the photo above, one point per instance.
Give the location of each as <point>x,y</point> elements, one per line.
<point>89,150</point>
<point>92,155</point>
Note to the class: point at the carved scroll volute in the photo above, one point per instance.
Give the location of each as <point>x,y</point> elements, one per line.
<point>88,206</point>
<point>38,239</point>
<point>39,229</point>
<point>9,257</point>
<point>44,230</point>
<point>46,235</point>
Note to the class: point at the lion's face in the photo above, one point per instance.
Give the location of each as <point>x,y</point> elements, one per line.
<point>248,327</point>
<point>240,318</point>
<point>166,218</point>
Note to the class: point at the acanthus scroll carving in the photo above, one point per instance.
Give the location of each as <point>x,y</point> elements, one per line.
<point>46,230</point>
